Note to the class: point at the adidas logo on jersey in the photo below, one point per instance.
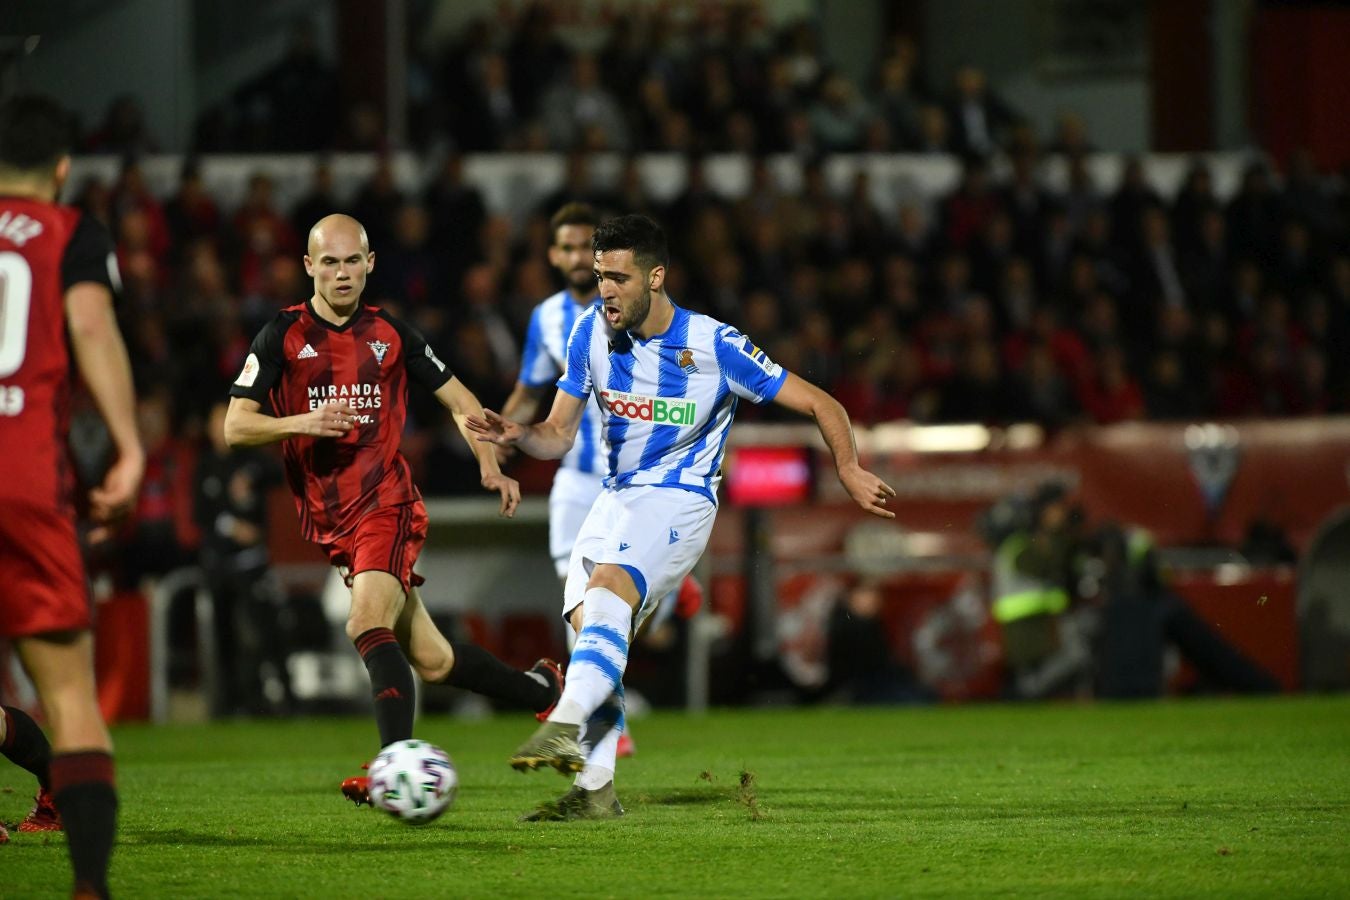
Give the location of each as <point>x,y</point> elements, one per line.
<point>307,352</point>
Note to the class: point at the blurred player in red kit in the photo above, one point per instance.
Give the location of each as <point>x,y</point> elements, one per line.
<point>57,279</point>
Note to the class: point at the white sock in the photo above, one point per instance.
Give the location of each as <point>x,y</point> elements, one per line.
<point>599,657</point>
<point>604,728</point>
<point>600,742</point>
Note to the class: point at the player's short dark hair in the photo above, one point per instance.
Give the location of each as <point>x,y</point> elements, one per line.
<point>637,233</point>
<point>35,132</point>
<point>573,214</point>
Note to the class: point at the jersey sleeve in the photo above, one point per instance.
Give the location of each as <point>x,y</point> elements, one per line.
<point>265,361</point>
<point>748,370</point>
<point>90,256</point>
<point>537,367</point>
<point>424,366</point>
<point>576,376</point>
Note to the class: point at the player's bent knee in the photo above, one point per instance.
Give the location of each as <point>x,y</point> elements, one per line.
<point>616,579</point>
<point>434,672</point>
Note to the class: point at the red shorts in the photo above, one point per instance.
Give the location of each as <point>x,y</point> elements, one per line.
<point>387,539</point>
<point>42,583</point>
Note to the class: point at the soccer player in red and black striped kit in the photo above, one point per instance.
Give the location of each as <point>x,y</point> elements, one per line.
<point>57,279</point>
<point>329,377</point>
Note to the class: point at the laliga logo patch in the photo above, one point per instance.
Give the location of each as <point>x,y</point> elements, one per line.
<point>380,348</point>
<point>685,360</point>
<point>249,373</point>
<point>1212,451</point>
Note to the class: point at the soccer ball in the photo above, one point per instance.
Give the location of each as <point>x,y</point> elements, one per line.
<point>413,781</point>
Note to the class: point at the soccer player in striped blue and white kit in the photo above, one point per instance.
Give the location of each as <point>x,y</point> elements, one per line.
<point>667,381</point>
<point>580,476</point>
<point>581,473</point>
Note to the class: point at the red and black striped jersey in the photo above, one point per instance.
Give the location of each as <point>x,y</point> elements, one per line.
<point>45,249</point>
<point>299,362</point>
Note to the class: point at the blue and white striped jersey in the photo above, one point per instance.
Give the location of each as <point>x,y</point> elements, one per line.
<point>667,402</point>
<point>545,358</point>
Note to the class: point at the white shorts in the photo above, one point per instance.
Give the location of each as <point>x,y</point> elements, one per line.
<point>569,501</point>
<point>657,533</point>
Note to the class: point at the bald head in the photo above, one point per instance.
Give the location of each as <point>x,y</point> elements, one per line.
<point>335,227</point>
<point>339,259</point>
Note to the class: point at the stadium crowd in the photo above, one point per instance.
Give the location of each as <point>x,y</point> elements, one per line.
<point>1001,301</point>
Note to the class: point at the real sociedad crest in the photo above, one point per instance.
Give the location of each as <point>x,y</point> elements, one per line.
<point>1212,451</point>
<point>380,348</point>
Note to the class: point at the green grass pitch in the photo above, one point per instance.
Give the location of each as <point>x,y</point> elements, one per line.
<point>1221,798</point>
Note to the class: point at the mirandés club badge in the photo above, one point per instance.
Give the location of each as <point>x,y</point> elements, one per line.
<point>1213,454</point>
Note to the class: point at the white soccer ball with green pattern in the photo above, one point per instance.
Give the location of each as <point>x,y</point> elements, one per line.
<point>413,781</point>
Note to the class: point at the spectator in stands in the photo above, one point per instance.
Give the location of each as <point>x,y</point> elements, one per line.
<point>980,121</point>
<point>1308,200</point>
<point>580,113</point>
<point>898,103</point>
<point>1025,201</point>
<point>410,271</point>
<point>457,214</point>
<point>124,131</point>
<point>260,232</point>
<point>161,534</point>
<point>319,201</point>
<point>1254,214</point>
<point>966,210</point>
<point>839,116</point>
<point>977,391</point>
<point>1207,268</point>
<point>132,196</point>
<point>290,88</point>
<point>1296,268</point>
<point>1191,204</point>
<point>377,201</point>
<point>1111,394</point>
<point>1040,392</point>
<point>714,100</point>
<point>536,58</point>
<point>1169,393</point>
<point>191,214</point>
<point>485,114</point>
<point>1155,277</point>
<point>1081,199</point>
<point>1070,136</point>
<point>1015,296</point>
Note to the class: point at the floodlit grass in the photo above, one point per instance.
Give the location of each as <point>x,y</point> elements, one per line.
<point>1222,798</point>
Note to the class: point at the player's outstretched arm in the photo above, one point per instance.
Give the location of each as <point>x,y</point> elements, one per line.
<point>101,357</point>
<point>866,489</point>
<point>246,425</point>
<point>549,439</point>
<point>462,403</point>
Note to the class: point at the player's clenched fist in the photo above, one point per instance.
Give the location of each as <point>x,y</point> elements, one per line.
<point>329,420</point>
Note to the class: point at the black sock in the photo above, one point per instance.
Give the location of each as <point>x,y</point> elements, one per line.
<point>82,786</point>
<point>391,684</point>
<point>477,670</point>
<point>26,746</point>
